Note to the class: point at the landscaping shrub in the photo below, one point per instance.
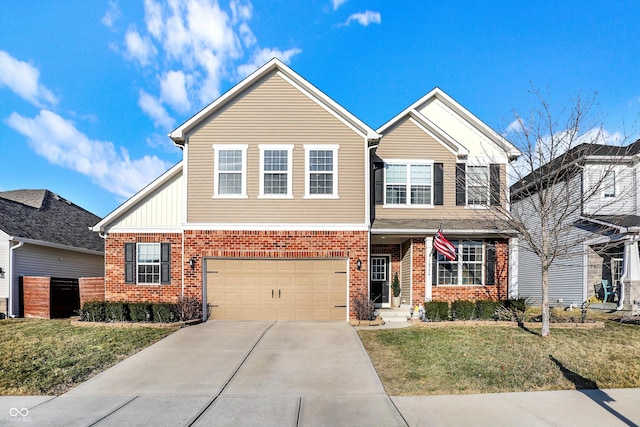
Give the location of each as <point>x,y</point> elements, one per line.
<point>436,311</point>
<point>140,312</point>
<point>363,307</point>
<point>463,310</point>
<point>164,313</point>
<point>188,308</point>
<point>116,311</point>
<point>518,304</point>
<point>93,311</point>
<point>486,310</point>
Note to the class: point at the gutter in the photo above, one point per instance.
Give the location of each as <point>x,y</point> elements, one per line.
<point>10,274</point>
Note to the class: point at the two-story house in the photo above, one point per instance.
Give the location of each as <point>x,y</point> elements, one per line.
<point>286,206</point>
<point>594,218</point>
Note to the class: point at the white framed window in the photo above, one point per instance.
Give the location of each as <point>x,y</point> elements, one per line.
<point>609,185</point>
<point>148,263</point>
<point>230,171</point>
<point>477,185</point>
<point>379,269</point>
<point>467,269</point>
<point>275,171</point>
<point>321,171</point>
<point>408,183</point>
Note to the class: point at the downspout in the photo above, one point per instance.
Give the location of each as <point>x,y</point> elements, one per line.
<point>10,274</point>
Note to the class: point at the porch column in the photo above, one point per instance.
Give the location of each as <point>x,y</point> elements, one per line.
<point>512,291</point>
<point>428,247</point>
<point>629,297</point>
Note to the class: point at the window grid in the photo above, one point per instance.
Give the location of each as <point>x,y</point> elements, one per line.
<point>148,262</point>
<point>378,269</point>
<point>229,170</point>
<point>276,172</point>
<point>466,269</point>
<point>477,185</point>
<point>321,172</point>
<point>412,180</point>
<point>609,184</point>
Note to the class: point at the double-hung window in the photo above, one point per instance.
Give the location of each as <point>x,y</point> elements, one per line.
<point>148,262</point>
<point>609,184</point>
<point>275,171</point>
<point>408,183</point>
<point>230,171</point>
<point>467,269</point>
<point>478,185</point>
<point>321,174</point>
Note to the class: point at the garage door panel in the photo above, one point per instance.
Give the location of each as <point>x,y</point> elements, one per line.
<point>276,289</point>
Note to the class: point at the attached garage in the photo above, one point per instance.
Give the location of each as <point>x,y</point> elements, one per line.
<point>283,289</point>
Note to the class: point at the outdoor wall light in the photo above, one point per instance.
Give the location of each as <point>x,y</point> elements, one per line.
<point>192,263</point>
<point>1,273</point>
<point>359,264</point>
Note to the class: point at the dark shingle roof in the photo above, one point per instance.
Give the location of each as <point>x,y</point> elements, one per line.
<point>432,225</point>
<point>45,216</point>
<point>617,220</point>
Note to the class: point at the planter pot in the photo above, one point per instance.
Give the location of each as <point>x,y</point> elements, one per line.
<point>395,301</point>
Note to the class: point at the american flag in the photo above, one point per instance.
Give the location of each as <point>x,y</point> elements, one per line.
<point>444,247</point>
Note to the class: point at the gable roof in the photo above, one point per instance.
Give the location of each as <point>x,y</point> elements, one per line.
<point>180,133</point>
<point>437,93</point>
<point>42,216</point>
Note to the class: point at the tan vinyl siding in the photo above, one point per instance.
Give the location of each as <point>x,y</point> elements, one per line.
<point>274,112</point>
<point>162,208</point>
<point>405,272</point>
<point>407,141</point>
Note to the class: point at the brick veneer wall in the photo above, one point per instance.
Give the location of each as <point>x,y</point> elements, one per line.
<point>36,294</point>
<point>117,290</point>
<point>277,244</point>
<point>91,289</point>
<point>491,292</point>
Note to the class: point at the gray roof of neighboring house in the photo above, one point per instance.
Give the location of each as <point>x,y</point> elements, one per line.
<point>45,216</point>
<point>625,221</point>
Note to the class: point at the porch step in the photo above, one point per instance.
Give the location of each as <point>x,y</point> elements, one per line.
<point>394,314</point>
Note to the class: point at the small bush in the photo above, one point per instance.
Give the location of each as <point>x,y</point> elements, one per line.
<point>463,310</point>
<point>436,311</point>
<point>188,308</point>
<point>363,307</point>
<point>93,311</point>
<point>165,313</point>
<point>116,311</point>
<point>140,312</point>
<point>518,304</point>
<point>486,310</point>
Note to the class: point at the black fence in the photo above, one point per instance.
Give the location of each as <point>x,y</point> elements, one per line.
<point>65,297</point>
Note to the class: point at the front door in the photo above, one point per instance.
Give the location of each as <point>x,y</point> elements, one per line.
<point>379,287</point>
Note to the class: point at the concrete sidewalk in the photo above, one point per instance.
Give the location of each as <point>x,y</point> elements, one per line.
<point>289,374</point>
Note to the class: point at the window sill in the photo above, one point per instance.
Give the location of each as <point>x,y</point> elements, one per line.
<point>321,196</point>
<point>462,286</point>
<point>392,206</point>
<point>229,197</point>
<point>278,197</point>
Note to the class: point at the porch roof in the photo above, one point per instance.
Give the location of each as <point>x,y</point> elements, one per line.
<point>624,223</point>
<point>430,226</point>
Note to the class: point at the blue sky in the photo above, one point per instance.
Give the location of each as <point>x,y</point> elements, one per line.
<point>89,89</point>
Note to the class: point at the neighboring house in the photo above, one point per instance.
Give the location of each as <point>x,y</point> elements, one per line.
<point>601,182</point>
<point>269,214</point>
<point>42,234</point>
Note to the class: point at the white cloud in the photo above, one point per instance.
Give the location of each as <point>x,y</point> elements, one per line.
<point>138,47</point>
<point>516,126</point>
<point>58,141</point>
<point>112,14</point>
<point>153,18</point>
<point>240,12</point>
<point>365,18</point>
<point>338,3</point>
<point>154,109</point>
<point>264,55</point>
<point>173,90</point>
<point>22,78</point>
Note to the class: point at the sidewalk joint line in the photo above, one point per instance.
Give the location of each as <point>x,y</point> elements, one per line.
<point>299,411</point>
<point>113,411</point>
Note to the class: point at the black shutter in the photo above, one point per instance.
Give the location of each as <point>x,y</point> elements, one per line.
<point>378,178</point>
<point>490,273</point>
<point>434,268</point>
<point>438,184</point>
<point>461,184</point>
<point>165,263</point>
<point>495,184</point>
<point>129,263</point>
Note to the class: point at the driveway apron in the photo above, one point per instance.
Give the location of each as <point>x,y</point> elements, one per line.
<point>230,372</point>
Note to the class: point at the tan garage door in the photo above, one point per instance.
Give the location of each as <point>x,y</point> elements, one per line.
<point>256,289</point>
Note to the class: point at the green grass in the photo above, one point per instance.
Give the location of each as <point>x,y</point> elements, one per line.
<point>486,359</point>
<point>51,356</point>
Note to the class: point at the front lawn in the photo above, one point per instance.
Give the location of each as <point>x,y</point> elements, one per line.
<point>486,359</point>
<point>44,357</point>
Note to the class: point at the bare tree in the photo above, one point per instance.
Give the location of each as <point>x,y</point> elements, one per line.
<point>551,186</point>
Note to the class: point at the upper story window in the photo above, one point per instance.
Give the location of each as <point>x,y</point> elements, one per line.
<point>609,184</point>
<point>321,171</point>
<point>408,183</point>
<point>275,170</point>
<point>230,171</point>
<point>477,185</point>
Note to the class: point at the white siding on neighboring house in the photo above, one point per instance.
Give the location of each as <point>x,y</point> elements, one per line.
<point>623,203</point>
<point>161,208</point>
<point>34,260</point>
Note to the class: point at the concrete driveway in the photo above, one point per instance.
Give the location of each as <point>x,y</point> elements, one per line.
<point>223,373</point>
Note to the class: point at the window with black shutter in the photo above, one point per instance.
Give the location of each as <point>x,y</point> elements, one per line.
<point>495,184</point>
<point>490,273</point>
<point>461,184</point>
<point>438,184</point>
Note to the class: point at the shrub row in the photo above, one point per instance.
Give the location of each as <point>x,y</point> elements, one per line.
<point>437,311</point>
<point>101,311</point>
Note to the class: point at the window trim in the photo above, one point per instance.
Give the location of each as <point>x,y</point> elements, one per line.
<point>609,175</point>
<point>409,164</point>
<point>307,173</point>
<point>277,147</point>
<point>216,170</point>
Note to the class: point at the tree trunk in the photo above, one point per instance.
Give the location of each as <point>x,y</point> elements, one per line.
<point>545,298</point>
